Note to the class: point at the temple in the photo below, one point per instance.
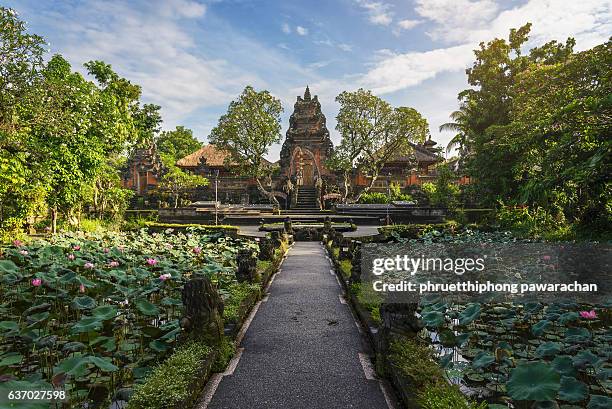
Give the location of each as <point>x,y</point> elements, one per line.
<point>299,180</point>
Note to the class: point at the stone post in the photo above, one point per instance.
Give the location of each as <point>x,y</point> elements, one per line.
<point>203,312</point>
<point>356,264</point>
<point>247,266</point>
<point>346,250</point>
<point>266,249</point>
<point>287,226</point>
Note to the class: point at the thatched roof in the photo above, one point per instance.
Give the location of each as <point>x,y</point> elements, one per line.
<point>214,156</point>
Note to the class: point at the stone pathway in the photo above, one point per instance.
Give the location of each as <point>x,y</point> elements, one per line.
<point>303,348</point>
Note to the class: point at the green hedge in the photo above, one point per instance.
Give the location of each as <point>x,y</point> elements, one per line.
<point>413,231</point>
<point>178,381</point>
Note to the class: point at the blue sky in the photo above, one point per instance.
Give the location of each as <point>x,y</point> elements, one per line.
<point>194,56</point>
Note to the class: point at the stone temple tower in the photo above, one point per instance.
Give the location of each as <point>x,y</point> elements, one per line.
<point>307,145</point>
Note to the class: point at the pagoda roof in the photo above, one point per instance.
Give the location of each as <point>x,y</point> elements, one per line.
<point>421,154</point>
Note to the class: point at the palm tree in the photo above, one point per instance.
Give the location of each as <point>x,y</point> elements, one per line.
<point>460,126</point>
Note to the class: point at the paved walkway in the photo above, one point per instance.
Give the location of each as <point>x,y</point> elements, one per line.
<point>302,349</point>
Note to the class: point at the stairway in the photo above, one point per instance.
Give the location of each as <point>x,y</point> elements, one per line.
<point>307,199</point>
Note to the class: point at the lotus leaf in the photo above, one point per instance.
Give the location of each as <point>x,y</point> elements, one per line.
<point>10,359</point>
<point>146,307</point>
<point>599,402</point>
<point>548,349</point>
<point>83,303</point>
<point>584,358</point>
<point>482,360</point>
<point>533,381</point>
<point>572,390</point>
<point>104,364</point>
<point>71,347</point>
<point>104,312</point>
<point>539,328</point>
<point>87,324</point>
<point>433,319</point>
<point>469,314</point>
<point>568,317</point>
<point>564,365</point>
<point>8,326</point>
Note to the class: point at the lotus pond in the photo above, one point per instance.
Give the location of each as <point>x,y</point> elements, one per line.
<point>532,355</point>
<point>92,314</point>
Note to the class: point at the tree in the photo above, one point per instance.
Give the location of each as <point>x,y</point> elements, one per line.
<point>248,129</point>
<point>372,132</point>
<point>21,61</point>
<point>176,144</point>
<point>176,183</point>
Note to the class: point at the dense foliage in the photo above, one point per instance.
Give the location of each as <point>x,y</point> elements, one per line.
<point>94,313</point>
<point>372,133</point>
<point>535,129</point>
<point>247,131</point>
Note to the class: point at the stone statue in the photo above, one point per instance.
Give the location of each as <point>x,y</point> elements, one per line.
<point>203,312</point>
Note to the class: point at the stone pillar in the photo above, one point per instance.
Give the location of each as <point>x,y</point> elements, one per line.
<point>397,320</point>
<point>203,315</point>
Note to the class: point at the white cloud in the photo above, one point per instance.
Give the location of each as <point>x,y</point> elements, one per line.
<point>186,8</point>
<point>301,30</point>
<point>456,19</point>
<point>286,29</point>
<point>398,71</point>
<point>588,21</point>
<point>379,13</point>
<point>408,24</point>
<point>345,47</point>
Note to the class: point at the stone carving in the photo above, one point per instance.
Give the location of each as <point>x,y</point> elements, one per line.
<point>247,266</point>
<point>202,320</point>
<point>266,249</point>
<point>398,320</point>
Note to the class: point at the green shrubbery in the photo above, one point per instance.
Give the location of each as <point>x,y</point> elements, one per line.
<point>416,362</point>
<point>236,294</point>
<point>172,383</point>
<point>446,397</point>
<point>381,198</point>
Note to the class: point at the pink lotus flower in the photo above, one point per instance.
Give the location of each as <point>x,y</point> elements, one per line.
<point>89,265</point>
<point>113,264</point>
<point>36,282</point>
<point>17,243</point>
<point>164,277</point>
<point>588,315</point>
<point>71,256</point>
<point>546,258</point>
<point>197,250</point>
<point>23,252</point>
<point>106,250</point>
<point>76,248</point>
<point>81,288</point>
<point>151,261</point>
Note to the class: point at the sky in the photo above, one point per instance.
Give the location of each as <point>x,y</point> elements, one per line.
<point>193,57</point>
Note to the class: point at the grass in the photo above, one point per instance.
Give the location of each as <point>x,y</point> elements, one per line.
<point>238,292</point>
